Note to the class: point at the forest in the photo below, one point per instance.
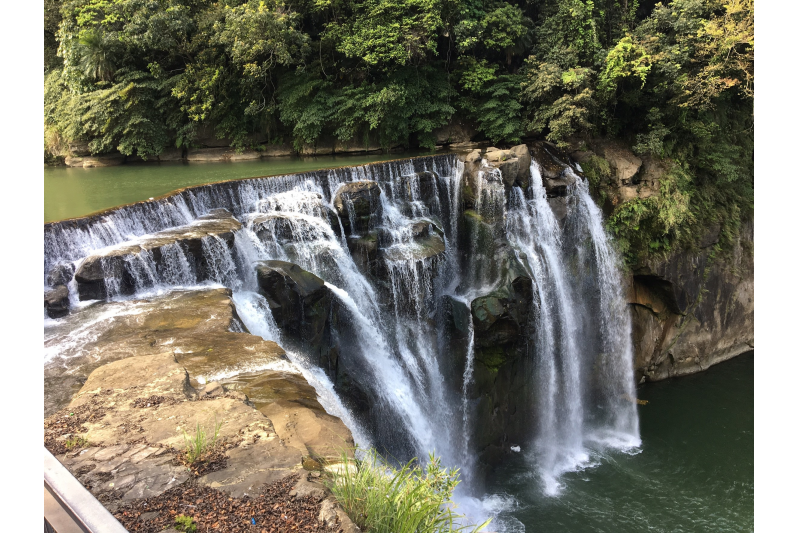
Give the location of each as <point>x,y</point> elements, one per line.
<point>672,80</point>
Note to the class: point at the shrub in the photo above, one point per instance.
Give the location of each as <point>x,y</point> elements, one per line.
<point>382,499</point>
<point>76,441</point>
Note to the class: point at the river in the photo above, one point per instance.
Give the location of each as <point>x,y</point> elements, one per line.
<point>74,192</point>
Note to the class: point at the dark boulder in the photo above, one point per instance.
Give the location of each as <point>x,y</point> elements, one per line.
<point>301,306</point>
<point>96,271</point>
<point>56,302</point>
<point>60,274</point>
<point>359,206</point>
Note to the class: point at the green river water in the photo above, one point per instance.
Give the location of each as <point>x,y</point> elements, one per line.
<point>74,192</point>
<point>694,472</point>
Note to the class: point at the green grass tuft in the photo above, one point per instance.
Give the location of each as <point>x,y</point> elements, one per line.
<point>413,499</point>
<point>198,445</point>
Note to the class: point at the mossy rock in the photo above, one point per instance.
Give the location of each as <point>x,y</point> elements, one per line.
<point>487,310</point>
<point>492,357</point>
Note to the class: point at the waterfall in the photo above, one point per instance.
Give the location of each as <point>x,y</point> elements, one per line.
<point>563,352</point>
<point>621,423</point>
<point>387,305</point>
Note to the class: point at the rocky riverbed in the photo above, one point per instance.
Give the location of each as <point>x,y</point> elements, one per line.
<point>124,432</point>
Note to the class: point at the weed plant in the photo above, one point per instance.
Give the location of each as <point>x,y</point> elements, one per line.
<point>185,523</point>
<point>76,441</point>
<point>413,499</point>
<point>199,445</point>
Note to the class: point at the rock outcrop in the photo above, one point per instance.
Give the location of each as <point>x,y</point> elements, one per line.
<point>208,155</point>
<point>619,172</point>
<point>457,131</point>
<point>514,164</point>
<point>123,433</point>
<point>92,161</point>
<point>301,306</point>
<point>120,266</point>
<point>196,325</point>
<point>691,311</point>
<point>136,414</point>
<point>359,206</point>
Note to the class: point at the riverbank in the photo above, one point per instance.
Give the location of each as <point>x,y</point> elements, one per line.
<point>147,426</point>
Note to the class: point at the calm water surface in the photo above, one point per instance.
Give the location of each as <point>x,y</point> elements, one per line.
<point>694,472</point>
<point>74,192</point>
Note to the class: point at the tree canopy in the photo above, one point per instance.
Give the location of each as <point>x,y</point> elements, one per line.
<point>675,80</point>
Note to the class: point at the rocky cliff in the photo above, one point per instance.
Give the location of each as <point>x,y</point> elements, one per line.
<point>692,310</point>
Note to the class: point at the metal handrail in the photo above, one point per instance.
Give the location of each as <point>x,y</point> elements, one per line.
<point>71,507</point>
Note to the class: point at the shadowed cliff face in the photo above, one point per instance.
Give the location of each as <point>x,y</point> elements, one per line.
<point>691,311</point>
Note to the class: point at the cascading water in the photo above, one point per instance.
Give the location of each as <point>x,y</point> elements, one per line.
<point>562,353</point>
<point>389,306</point>
<point>620,425</point>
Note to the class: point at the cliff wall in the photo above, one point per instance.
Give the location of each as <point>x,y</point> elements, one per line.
<point>691,311</point>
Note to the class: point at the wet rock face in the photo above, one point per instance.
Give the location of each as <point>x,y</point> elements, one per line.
<point>553,165</point>
<point>552,161</point>
<point>286,228</point>
<point>501,323</point>
<point>422,249</point>
<point>118,265</point>
<point>196,325</point>
<point>502,336</point>
<point>455,327</point>
<point>60,274</point>
<point>364,251</point>
<point>359,206</point>
<point>421,185</point>
<point>500,320</point>
<point>56,302</point>
<point>300,304</point>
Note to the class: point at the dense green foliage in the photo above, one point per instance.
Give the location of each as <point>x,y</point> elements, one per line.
<point>673,80</point>
<point>412,499</point>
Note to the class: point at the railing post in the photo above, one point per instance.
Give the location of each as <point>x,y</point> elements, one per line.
<point>69,507</point>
